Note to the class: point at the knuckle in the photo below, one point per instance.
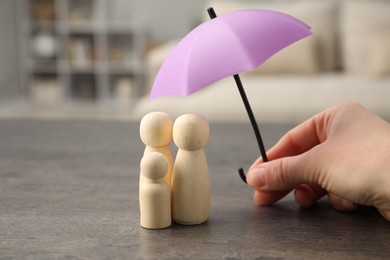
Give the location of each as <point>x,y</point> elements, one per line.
<point>278,175</point>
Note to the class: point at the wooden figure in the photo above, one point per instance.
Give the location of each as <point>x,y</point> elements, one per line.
<point>190,179</point>
<point>156,134</point>
<point>154,193</point>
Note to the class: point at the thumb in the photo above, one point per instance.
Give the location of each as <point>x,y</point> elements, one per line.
<point>281,174</point>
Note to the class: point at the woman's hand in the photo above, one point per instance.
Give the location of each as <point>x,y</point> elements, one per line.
<point>343,152</point>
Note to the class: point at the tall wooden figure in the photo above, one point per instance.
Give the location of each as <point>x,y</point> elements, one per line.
<point>154,193</point>
<point>156,134</point>
<point>190,178</point>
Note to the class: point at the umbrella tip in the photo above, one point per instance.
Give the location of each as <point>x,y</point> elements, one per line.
<point>211,12</point>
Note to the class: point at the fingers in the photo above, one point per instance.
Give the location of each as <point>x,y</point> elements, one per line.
<point>283,174</point>
<point>340,203</point>
<point>301,138</point>
<point>308,194</point>
<point>268,198</point>
<point>276,178</point>
<point>305,195</point>
<point>256,179</point>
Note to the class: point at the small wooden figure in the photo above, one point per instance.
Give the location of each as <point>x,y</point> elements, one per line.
<point>154,193</point>
<point>190,178</point>
<point>156,134</point>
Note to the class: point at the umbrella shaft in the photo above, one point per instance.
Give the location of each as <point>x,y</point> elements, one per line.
<point>213,15</point>
<point>251,117</point>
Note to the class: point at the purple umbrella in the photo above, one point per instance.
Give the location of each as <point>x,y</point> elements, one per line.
<point>224,46</point>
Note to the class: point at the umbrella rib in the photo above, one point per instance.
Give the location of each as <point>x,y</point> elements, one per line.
<point>249,111</point>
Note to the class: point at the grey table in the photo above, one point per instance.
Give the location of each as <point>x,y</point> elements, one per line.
<point>69,190</point>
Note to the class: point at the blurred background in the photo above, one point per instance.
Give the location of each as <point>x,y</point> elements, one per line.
<point>98,59</point>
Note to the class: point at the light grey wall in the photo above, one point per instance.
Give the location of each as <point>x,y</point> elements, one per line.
<point>8,51</point>
<point>162,19</point>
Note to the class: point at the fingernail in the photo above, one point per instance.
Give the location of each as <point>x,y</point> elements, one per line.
<point>347,205</point>
<point>256,177</point>
<point>304,196</point>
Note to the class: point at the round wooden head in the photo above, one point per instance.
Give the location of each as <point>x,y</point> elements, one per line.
<point>154,165</point>
<point>156,129</point>
<point>191,132</point>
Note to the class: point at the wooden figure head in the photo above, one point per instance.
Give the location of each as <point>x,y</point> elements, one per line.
<point>156,129</point>
<point>154,165</point>
<point>191,132</point>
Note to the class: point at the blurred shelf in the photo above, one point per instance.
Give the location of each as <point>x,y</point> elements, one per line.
<point>76,43</point>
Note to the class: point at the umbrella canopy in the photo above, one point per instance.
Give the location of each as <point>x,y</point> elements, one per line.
<point>224,46</point>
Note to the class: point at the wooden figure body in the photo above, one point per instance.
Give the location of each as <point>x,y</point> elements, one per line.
<point>154,193</point>
<point>190,178</point>
<point>156,134</point>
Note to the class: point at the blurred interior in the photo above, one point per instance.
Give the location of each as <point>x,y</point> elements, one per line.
<point>98,59</point>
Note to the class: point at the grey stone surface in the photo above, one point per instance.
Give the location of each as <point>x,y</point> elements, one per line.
<point>69,190</point>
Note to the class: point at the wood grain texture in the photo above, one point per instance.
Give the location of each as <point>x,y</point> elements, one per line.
<point>69,190</point>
